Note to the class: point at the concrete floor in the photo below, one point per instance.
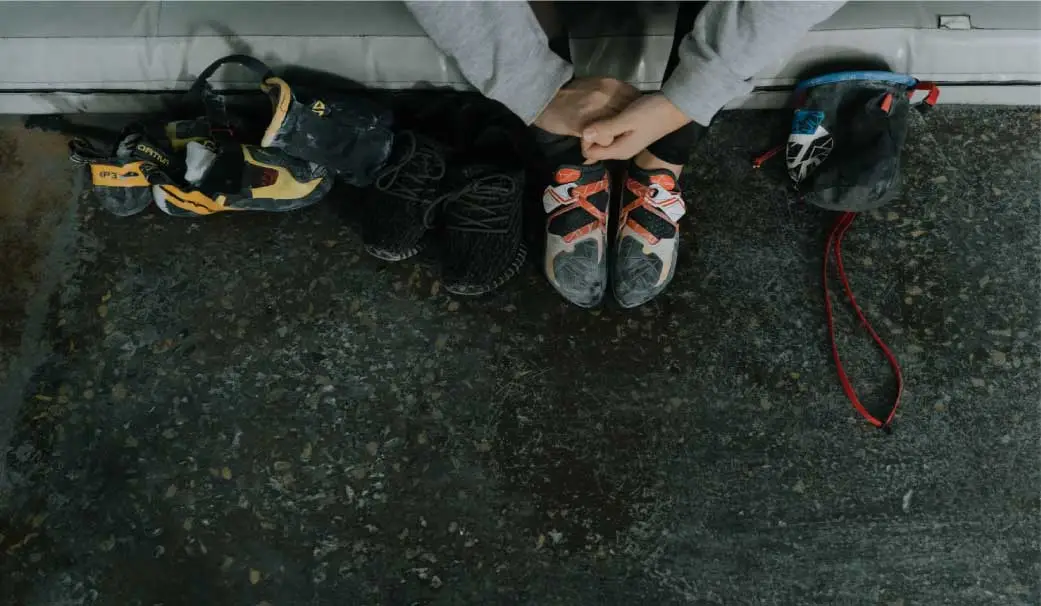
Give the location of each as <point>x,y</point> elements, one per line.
<point>249,410</point>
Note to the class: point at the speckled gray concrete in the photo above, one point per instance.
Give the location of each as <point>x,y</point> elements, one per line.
<point>248,410</point>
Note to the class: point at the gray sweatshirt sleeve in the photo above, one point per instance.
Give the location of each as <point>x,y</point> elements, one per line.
<point>731,41</point>
<point>500,48</point>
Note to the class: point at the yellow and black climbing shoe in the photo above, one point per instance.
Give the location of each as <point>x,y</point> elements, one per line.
<point>348,134</point>
<point>137,144</point>
<point>351,136</point>
<point>118,183</point>
<point>239,178</point>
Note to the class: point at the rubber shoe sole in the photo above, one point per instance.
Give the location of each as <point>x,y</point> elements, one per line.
<point>512,269</point>
<point>581,276</point>
<point>392,256</point>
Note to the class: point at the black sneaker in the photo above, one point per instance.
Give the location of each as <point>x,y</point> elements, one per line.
<point>400,206</point>
<point>482,246</point>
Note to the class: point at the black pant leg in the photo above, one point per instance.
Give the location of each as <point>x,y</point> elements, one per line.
<point>675,147</point>
<point>559,149</point>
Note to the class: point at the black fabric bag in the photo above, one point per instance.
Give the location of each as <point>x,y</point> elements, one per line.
<point>846,138</point>
<point>843,154</point>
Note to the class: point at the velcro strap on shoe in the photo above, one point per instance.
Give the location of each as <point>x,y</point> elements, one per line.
<point>668,202</point>
<point>564,194</point>
<point>556,196</point>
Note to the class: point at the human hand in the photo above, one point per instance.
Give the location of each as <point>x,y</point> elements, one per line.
<point>584,101</point>
<point>626,134</point>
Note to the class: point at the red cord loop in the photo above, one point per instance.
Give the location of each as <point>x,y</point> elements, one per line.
<point>835,243</point>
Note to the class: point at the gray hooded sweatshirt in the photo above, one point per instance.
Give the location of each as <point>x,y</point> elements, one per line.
<point>502,50</point>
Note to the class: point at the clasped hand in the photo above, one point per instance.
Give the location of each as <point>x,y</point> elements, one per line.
<point>614,121</point>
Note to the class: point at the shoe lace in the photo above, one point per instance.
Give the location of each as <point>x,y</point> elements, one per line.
<point>410,176</point>
<point>484,205</point>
